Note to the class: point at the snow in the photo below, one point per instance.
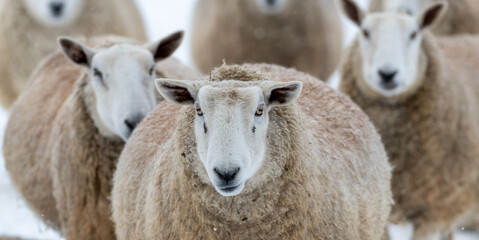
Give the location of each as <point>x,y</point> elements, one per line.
<point>162,17</point>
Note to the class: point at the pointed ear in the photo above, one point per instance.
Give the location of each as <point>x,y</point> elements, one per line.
<point>76,52</point>
<point>352,11</point>
<point>165,47</point>
<point>432,14</point>
<point>178,91</point>
<point>281,93</point>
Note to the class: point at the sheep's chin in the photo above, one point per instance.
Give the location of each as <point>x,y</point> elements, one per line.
<point>230,193</point>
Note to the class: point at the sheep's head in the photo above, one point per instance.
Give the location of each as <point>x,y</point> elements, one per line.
<point>390,47</point>
<point>122,80</point>
<point>54,13</point>
<point>231,124</point>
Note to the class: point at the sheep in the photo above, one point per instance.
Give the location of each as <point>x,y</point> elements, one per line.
<point>240,161</point>
<point>305,34</point>
<point>421,92</point>
<point>68,128</point>
<point>29,29</point>
<point>461,18</point>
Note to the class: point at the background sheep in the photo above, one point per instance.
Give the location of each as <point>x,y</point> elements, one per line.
<point>461,18</point>
<point>305,34</point>
<point>421,92</point>
<point>75,120</point>
<point>162,190</point>
<point>29,29</point>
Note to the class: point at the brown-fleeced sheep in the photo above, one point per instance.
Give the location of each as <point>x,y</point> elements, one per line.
<point>461,18</point>
<point>68,128</point>
<point>247,163</point>
<point>305,34</point>
<point>29,29</point>
<point>422,93</point>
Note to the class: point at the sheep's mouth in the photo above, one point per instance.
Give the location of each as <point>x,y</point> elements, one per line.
<point>229,189</point>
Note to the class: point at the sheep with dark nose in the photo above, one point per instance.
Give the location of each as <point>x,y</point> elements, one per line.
<point>422,93</point>
<point>243,160</point>
<point>68,128</point>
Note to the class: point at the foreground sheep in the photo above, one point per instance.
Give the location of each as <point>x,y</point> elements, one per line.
<point>246,163</point>
<point>29,29</point>
<point>305,34</point>
<point>422,93</point>
<point>68,128</point>
<point>461,18</point>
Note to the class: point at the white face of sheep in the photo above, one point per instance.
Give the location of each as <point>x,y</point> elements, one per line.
<point>231,124</point>
<point>390,46</point>
<point>54,13</point>
<point>122,79</point>
<point>271,7</point>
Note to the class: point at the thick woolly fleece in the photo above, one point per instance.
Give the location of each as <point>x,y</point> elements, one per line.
<point>462,16</point>
<point>56,157</point>
<point>306,36</point>
<point>326,174</point>
<point>430,133</point>
<point>25,42</point>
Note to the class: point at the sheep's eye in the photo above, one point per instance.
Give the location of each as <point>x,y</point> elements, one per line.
<point>259,110</point>
<point>151,70</point>
<point>198,110</point>
<point>97,73</point>
<point>366,33</point>
<point>413,35</point>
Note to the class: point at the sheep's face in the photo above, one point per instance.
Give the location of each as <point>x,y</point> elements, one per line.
<point>390,48</point>
<point>122,78</point>
<point>122,81</point>
<point>231,125</point>
<point>269,7</point>
<point>54,13</point>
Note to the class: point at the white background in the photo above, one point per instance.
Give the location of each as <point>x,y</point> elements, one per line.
<point>162,17</point>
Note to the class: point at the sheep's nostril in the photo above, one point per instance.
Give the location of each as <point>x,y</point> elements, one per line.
<point>56,8</point>
<point>131,125</point>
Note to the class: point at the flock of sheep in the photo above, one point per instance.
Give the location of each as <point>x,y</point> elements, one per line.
<point>110,137</point>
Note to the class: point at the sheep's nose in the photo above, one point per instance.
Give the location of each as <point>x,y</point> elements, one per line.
<point>387,76</point>
<point>132,122</point>
<point>227,175</point>
<point>271,2</point>
<point>56,8</point>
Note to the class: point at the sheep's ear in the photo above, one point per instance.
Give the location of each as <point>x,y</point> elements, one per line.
<point>281,93</point>
<point>352,11</point>
<point>178,91</point>
<point>432,14</point>
<point>165,47</point>
<point>76,52</point>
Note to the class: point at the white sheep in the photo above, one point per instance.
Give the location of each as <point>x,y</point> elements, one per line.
<point>305,34</point>
<point>68,128</point>
<point>422,93</point>
<point>241,160</point>
<point>29,29</point>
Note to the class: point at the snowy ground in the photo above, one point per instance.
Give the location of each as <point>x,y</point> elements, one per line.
<point>162,17</point>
